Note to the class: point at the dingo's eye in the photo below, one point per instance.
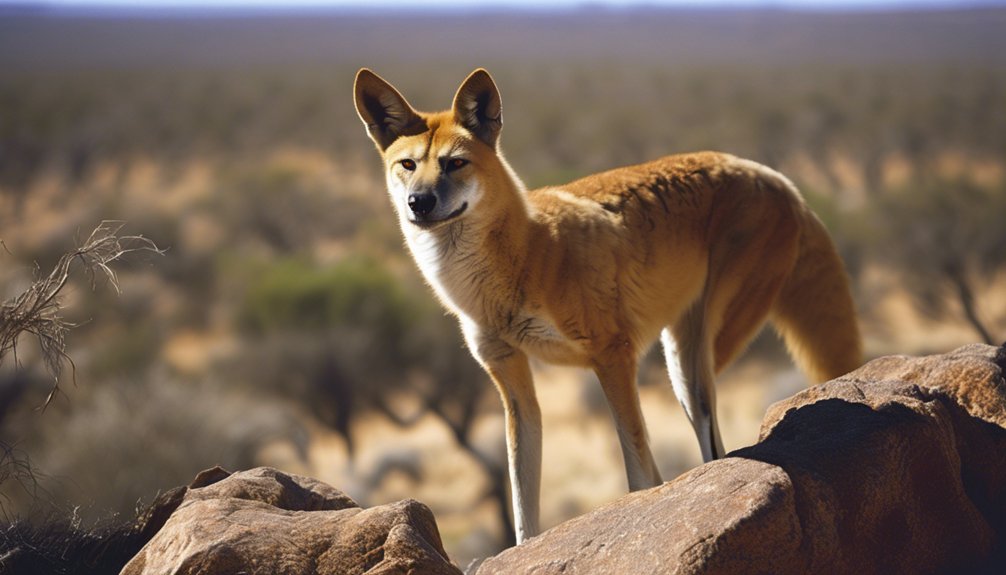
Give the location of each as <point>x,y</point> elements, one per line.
<point>455,163</point>
<point>409,165</point>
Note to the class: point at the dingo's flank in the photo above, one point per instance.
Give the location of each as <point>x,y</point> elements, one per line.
<point>696,249</point>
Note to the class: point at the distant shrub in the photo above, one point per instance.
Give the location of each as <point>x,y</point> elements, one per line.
<point>297,295</point>
<point>285,207</point>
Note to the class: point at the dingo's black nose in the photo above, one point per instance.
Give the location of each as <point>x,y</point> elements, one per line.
<point>422,204</point>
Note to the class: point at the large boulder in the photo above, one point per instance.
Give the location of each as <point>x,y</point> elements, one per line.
<point>897,467</point>
<point>266,521</point>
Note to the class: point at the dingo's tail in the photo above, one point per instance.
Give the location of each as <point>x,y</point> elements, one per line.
<point>815,313</point>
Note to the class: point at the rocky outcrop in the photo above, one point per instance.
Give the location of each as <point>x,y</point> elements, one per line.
<point>266,521</point>
<point>898,467</point>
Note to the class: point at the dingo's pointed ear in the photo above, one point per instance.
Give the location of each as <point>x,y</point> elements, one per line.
<point>477,107</point>
<point>383,110</point>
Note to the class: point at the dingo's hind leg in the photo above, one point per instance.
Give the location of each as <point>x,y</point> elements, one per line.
<point>689,358</point>
<point>746,273</point>
<point>744,316</point>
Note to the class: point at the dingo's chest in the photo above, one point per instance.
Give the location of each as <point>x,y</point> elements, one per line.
<point>538,336</point>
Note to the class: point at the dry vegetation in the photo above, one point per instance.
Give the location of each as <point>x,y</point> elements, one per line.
<point>285,325</point>
<point>37,311</point>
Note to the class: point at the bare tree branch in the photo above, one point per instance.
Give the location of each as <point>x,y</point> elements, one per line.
<point>37,310</point>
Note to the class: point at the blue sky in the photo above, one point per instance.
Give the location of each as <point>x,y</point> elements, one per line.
<point>812,4</point>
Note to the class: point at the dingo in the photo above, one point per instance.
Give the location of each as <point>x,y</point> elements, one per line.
<point>698,249</point>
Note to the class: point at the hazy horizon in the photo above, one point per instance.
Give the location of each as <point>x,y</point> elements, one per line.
<point>278,5</point>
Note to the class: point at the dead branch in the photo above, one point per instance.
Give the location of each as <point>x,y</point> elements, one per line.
<point>15,466</point>
<point>37,310</point>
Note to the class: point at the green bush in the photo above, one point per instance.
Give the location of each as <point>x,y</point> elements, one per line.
<point>357,292</point>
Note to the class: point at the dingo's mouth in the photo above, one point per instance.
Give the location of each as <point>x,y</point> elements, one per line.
<point>430,224</point>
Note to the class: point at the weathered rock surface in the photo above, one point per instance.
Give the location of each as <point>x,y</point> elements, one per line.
<point>266,521</point>
<point>898,467</point>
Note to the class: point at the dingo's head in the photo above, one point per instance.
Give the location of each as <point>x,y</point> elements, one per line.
<point>435,164</point>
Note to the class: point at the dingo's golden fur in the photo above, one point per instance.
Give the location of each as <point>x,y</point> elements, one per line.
<point>696,249</point>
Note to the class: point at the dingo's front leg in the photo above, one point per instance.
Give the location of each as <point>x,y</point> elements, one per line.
<point>510,371</point>
<point>617,375</point>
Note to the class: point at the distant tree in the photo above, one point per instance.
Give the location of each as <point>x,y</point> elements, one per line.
<point>455,391</point>
<point>945,238</point>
